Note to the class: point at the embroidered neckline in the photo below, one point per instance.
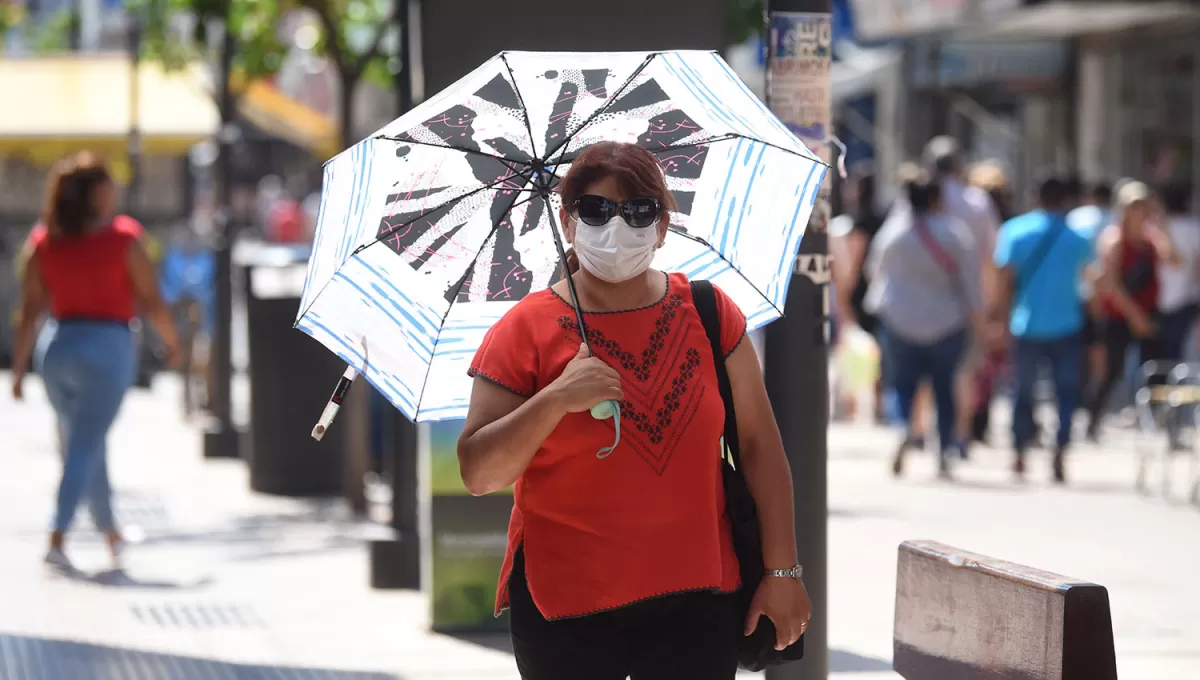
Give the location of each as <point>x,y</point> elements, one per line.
<point>666,293</point>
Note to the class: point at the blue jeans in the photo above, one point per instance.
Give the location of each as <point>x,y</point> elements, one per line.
<point>1064,356</point>
<point>909,363</point>
<point>87,366</point>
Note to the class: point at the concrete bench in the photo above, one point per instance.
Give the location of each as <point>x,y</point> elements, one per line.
<point>963,616</point>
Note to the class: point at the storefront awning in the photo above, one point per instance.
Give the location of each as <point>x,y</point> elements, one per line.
<point>76,102</point>
<point>58,105</point>
<point>1063,19</point>
<point>273,112</point>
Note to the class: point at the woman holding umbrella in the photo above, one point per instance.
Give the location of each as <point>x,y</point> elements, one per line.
<point>620,561</point>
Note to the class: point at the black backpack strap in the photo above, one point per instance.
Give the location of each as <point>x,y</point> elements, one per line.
<point>704,298</point>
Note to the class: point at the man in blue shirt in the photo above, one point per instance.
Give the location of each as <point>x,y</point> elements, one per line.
<point>1042,260</point>
<point>1094,215</point>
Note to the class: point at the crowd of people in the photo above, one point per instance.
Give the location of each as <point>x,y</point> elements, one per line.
<point>964,296</point>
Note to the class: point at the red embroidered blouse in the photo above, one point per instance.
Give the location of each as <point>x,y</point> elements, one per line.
<point>648,520</point>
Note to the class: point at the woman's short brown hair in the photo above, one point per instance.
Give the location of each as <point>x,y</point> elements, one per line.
<point>68,210</point>
<point>637,171</point>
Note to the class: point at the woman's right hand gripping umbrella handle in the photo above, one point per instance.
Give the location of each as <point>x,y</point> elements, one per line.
<point>589,383</point>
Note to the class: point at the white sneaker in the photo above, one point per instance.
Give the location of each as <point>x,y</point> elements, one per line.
<point>58,559</point>
<point>118,551</point>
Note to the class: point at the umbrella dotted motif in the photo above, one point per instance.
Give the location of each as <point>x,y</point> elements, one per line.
<point>432,228</point>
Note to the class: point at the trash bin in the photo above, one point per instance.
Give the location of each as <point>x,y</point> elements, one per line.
<point>291,376</point>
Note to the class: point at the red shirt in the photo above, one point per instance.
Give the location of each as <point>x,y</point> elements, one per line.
<point>648,520</point>
<point>1139,275</point>
<point>87,276</point>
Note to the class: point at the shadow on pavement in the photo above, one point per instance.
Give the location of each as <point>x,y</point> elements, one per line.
<point>120,578</point>
<point>849,662</point>
<point>47,659</point>
<point>839,661</point>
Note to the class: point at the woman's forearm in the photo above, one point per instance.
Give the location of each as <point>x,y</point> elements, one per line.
<point>160,318</point>
<point>1111,286</point>
<point>495,455</point>
<point>770,479</point>
<point>23,343</point>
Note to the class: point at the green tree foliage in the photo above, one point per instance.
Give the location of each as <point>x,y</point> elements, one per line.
<point>747,18</point>
<point>357,36</point>
<point>54,34</point>
<point>253,25</point>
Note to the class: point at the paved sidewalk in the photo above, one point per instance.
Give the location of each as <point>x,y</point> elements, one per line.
<point>228,584</point>
<point>1144,550</point>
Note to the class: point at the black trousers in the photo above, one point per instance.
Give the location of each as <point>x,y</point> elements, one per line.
<point>689,636</point>
<point>1117,337</point>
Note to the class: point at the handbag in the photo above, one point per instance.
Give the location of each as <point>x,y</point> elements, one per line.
<point>757,650</point>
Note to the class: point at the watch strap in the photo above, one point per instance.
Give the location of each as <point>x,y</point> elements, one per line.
<point>796,572</point>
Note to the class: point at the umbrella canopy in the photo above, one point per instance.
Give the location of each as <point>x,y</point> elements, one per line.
<point>433,228</point>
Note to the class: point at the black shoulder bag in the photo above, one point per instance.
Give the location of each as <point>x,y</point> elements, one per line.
<point>756,651</point>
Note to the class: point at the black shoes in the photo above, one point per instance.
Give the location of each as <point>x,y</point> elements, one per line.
<point>1058,465</point>
<point>1060,473</point>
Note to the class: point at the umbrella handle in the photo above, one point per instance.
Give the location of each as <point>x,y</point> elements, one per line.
<point>335,403</point>
<point>604,410</point>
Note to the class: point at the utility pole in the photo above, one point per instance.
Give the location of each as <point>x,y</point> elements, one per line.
<point>221,439</point>
<point>133,144</point>
<point>799,54</point>
<point>396,562</point>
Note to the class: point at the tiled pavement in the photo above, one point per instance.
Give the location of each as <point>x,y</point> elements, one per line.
<point>227,584</point>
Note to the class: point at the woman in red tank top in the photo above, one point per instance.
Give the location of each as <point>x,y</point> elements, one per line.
<point>87,268</point>
<point>620,559</point>
<point>1130,252</point>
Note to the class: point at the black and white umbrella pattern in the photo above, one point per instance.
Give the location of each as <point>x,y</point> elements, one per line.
<point>431,229</point>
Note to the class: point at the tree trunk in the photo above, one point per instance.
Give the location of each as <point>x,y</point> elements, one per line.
<point>355,415</point>
<point>349,85</point>
<point>221,439</point>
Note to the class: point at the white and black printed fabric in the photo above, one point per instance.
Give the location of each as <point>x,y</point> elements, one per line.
<point>432,228</point>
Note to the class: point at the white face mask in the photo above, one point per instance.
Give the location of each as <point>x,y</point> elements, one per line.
<point>615,252</point>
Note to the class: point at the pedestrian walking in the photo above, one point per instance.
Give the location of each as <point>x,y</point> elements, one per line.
<point>626,567</point>
<point>88,269</point>
<point>1041,260</point>
<point>927,297</point>
<point>864,222</point>
<point>944,159</point>
<point>1179,289</point>
<point>1131,253</point>
<point>990,177</point>
<point>1090,219</point>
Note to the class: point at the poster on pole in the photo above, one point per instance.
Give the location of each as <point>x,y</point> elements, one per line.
<point>467,538</point>
<point>798,80</point>
<point>800,93</point>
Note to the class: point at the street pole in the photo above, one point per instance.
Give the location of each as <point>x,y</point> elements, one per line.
<point>396,561</point>
<point>133,145</point>
<point>798,91</point>
<point>221,439</point>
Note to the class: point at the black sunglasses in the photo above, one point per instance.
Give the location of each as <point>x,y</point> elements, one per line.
<point>596,211</point>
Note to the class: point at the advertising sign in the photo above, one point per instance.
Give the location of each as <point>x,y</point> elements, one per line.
<point>467,539</point>
<point>799,92</point>
<point>798,79</point>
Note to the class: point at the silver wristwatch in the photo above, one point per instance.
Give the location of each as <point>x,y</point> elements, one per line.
<point>796,572</point>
